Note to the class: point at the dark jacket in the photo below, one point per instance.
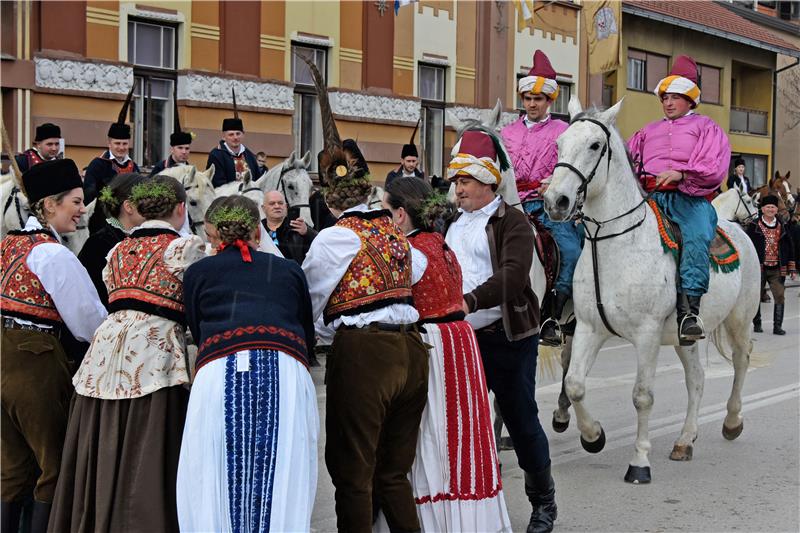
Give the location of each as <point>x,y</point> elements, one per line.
<point>93,256</point>
<point>786,258</point>
<point>733,179</point>
<point>99,173</point>
<point>511,249</point>
<point>398,173</point>
<point>163,164</point>
<point>224,167</point>
<point>261,305</point>
<point>291,244</point>
<point>320,214</point>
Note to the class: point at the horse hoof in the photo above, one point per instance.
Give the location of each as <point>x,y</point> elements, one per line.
<point>638,475</point>
<point>681,452</point>
<point>596,446</point>
<point>558,426</point>
<point>732,433</point>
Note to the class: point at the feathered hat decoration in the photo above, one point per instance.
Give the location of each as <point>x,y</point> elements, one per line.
<point>178,136</point>
<point>235,123</point>
<point>120,130</point>
<point>410,149</point>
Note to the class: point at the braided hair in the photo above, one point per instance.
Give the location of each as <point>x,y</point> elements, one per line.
<point>425,207</point>
<point>235,218</point>
<point>155,197</point>
<point>115,193</point>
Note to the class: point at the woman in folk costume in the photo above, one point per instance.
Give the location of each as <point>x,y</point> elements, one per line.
<point>121,218</point>
<point>44,292</point>
<point>681,159</point>
<point>249,455</point>
<point>126,420</point>
<point>455,475</point>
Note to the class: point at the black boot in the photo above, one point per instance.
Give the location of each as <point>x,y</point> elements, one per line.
<point>757,321</point>
<point>541,491</point>
<point>40,517</point>
<point>777,318</point>
<point>9,517</point>
<point>689,329</point>
<point>550,335</point>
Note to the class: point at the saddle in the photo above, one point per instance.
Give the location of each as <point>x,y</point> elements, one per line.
<point>722,252</point>
<point>547,251</point>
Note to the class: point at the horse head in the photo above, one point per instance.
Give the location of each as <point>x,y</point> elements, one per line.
<point>589,152</point>
<point>292,180</point>
<point>199,192</point>
<point>780,186</point>
<point>735,205</point>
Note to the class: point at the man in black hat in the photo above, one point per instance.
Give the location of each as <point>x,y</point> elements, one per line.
<point>115,160</point>
<point>232,159</point>
<point>180,145</point>
<point>409,159</point>
<point>738,178</point>
<point>46,146</point>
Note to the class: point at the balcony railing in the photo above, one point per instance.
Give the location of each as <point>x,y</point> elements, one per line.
<point>749,121</point>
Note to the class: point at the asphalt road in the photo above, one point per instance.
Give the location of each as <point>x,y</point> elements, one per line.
<point>750,484</point>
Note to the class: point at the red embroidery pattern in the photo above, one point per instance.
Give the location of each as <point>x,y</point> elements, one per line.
<point>380,271</point>
<point>206,354</point>
<point>138,272</point>
<point>438,293</point>
<point>251,330</point>
<point>21,291</point>
<point>33,157</point>
<point>474,473</point>
<point>771,238</point>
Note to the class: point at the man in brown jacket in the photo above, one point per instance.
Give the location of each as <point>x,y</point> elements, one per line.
<point>494,245</point>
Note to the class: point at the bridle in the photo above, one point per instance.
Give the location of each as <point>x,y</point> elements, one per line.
<point>282,185</point>
<point>740,201</point>
<point>14,196</point>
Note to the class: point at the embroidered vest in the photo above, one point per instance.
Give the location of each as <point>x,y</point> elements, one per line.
<point>379,274</point>
<point>139,279</point>
<point>21,291</point>
<point>33,157</point>
<point>438,293</point>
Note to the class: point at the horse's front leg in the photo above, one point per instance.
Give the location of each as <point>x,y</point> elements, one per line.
<point>585,346</point>
<point>561,413</point>
<point>647,348</point>
<point>695,379</point>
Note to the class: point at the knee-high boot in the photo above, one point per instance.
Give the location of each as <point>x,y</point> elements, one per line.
<point>541,491</point>
<point>757,321</point>
<point>777,318</point>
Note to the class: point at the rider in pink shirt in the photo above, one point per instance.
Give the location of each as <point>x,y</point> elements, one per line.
<point>685,156</point>
<point>531,142</point>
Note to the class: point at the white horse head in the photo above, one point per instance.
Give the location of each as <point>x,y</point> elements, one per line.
<point>199,192</point>
<point>292,180</point>
<point>734,205</point>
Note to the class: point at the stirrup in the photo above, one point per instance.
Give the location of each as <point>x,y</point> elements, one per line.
<point>558,331</point>
<point>692,338</point>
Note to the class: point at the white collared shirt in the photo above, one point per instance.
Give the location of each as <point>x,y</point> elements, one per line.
<point>467,238</point>
<point>228,148</point>
<point>68,284</point>
<point>325,264</point>
<point>531,123</point>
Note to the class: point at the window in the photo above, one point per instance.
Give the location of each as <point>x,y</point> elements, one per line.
<point>431,89</point>
<point>307,122</point>
<point>559,107</point>
<point>755,168</point>
<point>708,81</point>
<point>153,53</point>
<point>645,70</point>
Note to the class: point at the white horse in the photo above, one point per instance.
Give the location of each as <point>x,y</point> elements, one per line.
<point>735,206</point>
<point>16,212</point>
<point>199,193</point>
<point>636,283</point>
<point>291,178</point>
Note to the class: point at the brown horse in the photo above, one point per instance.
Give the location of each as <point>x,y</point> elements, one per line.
<point>778,186</point>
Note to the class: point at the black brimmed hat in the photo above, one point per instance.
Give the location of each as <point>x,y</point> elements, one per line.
<point>50,178</point>
<point>47,131</point>
<point>410,149</point>
<point>178,137</point>
<point>235,123</point>
<point>119,130</point>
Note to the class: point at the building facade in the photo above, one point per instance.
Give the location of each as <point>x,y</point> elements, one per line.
<point>72,63</point>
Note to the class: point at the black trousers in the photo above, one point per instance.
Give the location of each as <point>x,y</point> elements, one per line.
<point>510,368</point>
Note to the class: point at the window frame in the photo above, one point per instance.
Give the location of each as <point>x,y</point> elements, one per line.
<point>703,98</point>
<point>645,60</point>
<point>306,91</point>
<point>428,106</point>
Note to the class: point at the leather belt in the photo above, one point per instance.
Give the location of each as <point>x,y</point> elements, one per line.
<point>10,323</point>
<point>381,326</point>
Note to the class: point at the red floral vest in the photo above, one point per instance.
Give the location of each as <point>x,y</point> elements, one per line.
<point>33,157</point>
<point>21,290</point>
<point>438,293</point>
<point>379,275</point>
<point>140,280</point>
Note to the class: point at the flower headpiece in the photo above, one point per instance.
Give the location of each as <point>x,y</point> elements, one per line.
<point>223,215</point>
<point>152,189</point>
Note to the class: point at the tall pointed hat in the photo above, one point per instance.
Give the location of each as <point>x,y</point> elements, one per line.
<point>235,123</point>
<point>541,79</point>
<point>410,149</point>
<point>682,79</point>
<point>178,136</point>
<point>119,129</point>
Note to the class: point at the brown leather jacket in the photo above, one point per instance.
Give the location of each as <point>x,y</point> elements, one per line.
<point>511,249</point>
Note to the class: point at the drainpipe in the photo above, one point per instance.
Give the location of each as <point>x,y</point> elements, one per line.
<point>774,114</point>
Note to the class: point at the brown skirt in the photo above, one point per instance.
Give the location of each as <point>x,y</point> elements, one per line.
<point>120,463</point>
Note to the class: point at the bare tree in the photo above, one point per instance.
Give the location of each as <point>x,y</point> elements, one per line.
<point>789,100</point>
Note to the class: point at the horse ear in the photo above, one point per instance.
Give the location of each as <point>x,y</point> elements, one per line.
<point>454,121</point>
<point>788,174</point>
<point>290,161</point>
<point>736,186</point>
<point>306,161</point>
<point>574,106</point>
<point>493,118</point>
<point>610,114</point>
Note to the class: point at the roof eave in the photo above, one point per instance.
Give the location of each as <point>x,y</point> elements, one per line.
<point>675,21</point>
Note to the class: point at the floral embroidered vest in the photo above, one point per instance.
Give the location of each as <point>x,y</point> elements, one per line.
<point>21,291</point>
<point>438,294</point>
<point>380,274</point>
<point>33,157</point>
<point>140,280</point>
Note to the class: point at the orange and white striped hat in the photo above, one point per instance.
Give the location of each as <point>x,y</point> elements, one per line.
<point>476,156</point>
<point>541,79</point>
<point>682,79</point>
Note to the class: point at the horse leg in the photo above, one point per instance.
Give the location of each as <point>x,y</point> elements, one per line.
<point>695,380</point>
<point>647,348</point>
<point>585,346</point>
<point>561,413</point>
<point>740,339</point>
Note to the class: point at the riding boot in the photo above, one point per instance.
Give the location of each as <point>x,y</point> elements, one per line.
<point>9,517</point>
<point>550,334</point>
<point>757,321</point>
<point>777,318</point>
<point>541,491</point>
<point>40,517</point>
<point>688,310</point>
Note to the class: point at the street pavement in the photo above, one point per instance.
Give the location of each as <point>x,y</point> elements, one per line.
<point>750,484</point>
